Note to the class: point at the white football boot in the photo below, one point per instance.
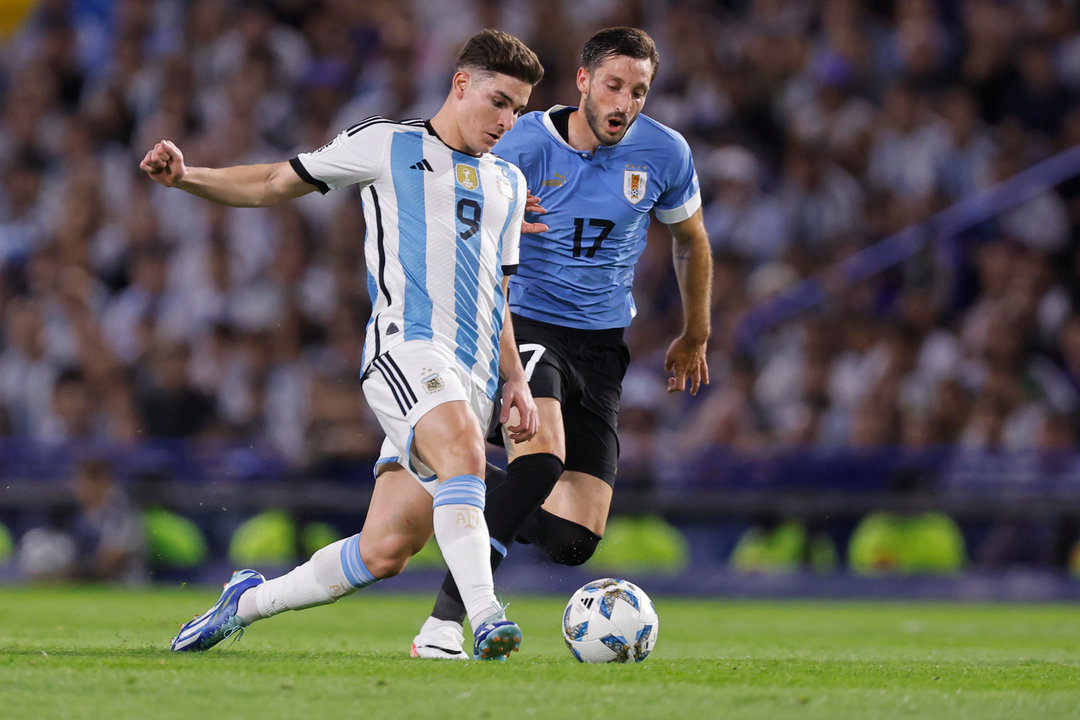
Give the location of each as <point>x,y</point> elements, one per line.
<point>440,640</point>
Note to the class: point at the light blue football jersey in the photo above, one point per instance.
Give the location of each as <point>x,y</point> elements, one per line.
<point>580,273</point>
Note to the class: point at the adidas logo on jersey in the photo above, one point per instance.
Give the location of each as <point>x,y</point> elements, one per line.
<point>391,329</point>
<point>422,165</point>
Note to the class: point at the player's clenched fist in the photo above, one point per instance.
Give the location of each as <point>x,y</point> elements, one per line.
<point>164,163</point>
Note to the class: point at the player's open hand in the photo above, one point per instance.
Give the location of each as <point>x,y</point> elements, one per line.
<point>164,163</point>
<point>685,360</point>
<point>519,414</point>
<point>532,205</point>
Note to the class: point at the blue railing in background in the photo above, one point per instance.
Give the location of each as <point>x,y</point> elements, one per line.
<point>711,498</point>
<point>719,481</point>
<point>895,249</point>
<point>177,460</point>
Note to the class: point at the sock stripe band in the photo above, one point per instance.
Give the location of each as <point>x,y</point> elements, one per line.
<point>356,573</point>
<point>461,490</point>
<point>499,547</point>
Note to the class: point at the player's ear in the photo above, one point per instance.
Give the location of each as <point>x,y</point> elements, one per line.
<point>460,83</point>
<point>582,80</point>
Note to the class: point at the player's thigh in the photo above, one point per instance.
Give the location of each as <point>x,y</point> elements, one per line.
<point>429,408</point>
<point>581,498</point>
<point>448,439</point>
<point>398,522</point>
<point>549,438</point>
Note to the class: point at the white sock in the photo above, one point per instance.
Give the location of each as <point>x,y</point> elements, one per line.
<point>332,572</point>
<point>462,534</point>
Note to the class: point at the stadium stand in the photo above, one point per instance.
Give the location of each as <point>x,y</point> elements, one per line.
<point>892,195</point>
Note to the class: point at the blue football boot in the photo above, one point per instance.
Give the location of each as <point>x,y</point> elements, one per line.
<point>496,638</point>
<point>220,621</point>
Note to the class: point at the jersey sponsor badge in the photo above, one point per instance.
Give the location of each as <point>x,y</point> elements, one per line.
<point>466,176</point>
<point>558,181</point>
<point>634,183</point>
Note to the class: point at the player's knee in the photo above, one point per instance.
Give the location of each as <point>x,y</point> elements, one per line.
<point>465,456</point>
<point>576,551</point>
<point>472,456</point>
<point>450,441</point>
<point>550,440</point>
<point>389,557</point>
<point>383,567</point>
<point>564,542</point>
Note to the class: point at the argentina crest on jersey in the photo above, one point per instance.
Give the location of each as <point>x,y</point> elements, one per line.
<point>634,184</point>
<point>502,181</point>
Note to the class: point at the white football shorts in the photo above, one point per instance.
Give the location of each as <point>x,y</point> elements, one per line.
<point>403,384</point>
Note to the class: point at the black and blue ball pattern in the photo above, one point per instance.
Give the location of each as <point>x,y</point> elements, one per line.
<point>610,620</point>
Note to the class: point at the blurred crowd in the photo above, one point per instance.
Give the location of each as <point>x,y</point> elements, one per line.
<point>818,128</point>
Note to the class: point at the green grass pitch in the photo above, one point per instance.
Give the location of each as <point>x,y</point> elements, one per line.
<point>102,653</point>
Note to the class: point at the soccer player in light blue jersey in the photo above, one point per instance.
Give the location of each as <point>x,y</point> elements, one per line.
<point>600,169</point>
<point>443,219</point>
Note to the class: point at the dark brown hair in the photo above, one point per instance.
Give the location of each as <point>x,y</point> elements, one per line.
<point>626,41</point>
<point>498,52</point>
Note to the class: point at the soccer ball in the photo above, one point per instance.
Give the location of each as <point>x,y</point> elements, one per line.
<point>610,620</point>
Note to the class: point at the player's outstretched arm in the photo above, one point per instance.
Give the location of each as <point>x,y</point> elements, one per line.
<point>693,267</point>
<point>239,186</point>
<point>516,393</point>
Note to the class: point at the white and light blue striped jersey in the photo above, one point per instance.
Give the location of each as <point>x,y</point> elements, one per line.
<point>580,273</point>
<point>442,228</point>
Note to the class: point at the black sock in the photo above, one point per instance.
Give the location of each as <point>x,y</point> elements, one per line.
<point>529,479</point>
<point>529,532</point>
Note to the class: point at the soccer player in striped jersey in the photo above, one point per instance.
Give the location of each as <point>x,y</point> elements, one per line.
<point>599,169</point>
<point>443,220</point>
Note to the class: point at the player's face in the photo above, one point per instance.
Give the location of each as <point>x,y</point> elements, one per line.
<point>613,94</point>
<point>490,105</point>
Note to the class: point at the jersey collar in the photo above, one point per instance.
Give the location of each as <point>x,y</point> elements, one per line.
<point>431,131</point>
<point>559,138</point>
<point>554,130</point>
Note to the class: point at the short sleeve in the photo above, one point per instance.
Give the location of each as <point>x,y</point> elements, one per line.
<point>681,197</point>
<point>512,234</point>
<point>355,156</point>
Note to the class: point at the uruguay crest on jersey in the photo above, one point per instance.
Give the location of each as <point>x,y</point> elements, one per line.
<point>634,183</point>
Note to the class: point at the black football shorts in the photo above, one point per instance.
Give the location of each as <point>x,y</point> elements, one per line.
<point>583,370</point>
